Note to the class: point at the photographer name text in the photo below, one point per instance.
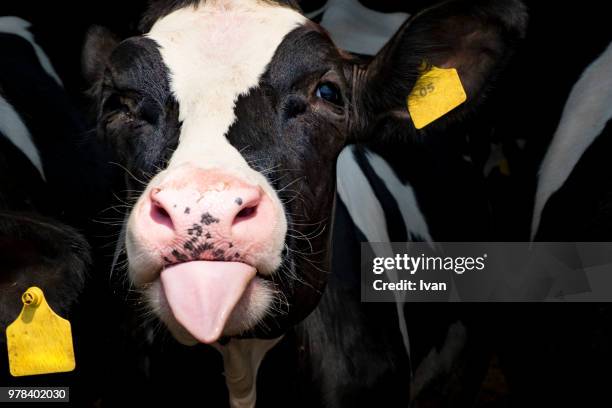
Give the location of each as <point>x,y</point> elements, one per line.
<point>403,263</point>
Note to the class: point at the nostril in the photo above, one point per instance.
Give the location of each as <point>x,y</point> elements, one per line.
<point>246,212</point>
<point>255,218</point>
<point>160,215</point>
<point>248,203</point>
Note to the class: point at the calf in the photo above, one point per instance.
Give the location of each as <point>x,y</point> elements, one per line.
<point>35,248</point>
<point>229,117</point>
<point>397,192</point>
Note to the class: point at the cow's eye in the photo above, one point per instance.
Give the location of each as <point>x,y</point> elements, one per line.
<point>118,104</point>
<point>330,93</point>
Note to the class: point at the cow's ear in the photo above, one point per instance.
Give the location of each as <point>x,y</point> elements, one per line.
<point>473,37</point>
<point>99,44</point>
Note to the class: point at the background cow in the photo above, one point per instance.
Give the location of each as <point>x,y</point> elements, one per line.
<point>36,248</point>
<point>572,203</point>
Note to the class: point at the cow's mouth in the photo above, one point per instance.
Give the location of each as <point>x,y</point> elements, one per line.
<point>203,294</point>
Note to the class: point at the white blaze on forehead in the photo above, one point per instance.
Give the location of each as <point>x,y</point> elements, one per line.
<point>215,53</point>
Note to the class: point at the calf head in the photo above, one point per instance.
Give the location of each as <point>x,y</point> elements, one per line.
<point>232,114</point>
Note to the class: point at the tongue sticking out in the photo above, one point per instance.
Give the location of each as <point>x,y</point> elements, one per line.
<point>203,294</point>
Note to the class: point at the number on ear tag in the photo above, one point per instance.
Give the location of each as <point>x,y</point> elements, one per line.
<point>437,92</point>
<point>39,341</point>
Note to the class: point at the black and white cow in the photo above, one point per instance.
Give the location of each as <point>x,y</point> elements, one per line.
<point>229,117</point>
<point>572,178</point>
<point>429,188</point>
<point>35,248</point>
<point>569,347</point>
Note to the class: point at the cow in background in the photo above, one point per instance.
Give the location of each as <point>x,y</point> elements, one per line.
<point>37,247</point>
<point>570,349</point>
<point>433,187</point>
<point>572,199</point>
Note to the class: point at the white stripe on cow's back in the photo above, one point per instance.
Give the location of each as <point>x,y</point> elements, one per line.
<point>13,128</point>
<point>363,205</point>
<point>358,29</point>
<point>20,27</point>
<point>586,113</point>
<point>359,198</point>
<point>367,213</point>
<point>215,53</point>
<point>415,223</point>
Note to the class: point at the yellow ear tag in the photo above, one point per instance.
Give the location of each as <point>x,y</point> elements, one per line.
<point>437,92</point>
<point>39,341</point>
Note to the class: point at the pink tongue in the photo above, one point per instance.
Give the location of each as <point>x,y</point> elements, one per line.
<point>203,294</point>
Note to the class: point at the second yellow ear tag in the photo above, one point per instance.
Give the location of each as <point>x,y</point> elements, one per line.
<point>437,92</point>
<point>39,341</point>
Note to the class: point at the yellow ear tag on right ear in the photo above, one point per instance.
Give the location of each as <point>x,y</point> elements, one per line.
<point>39,341</point>
<point>437,92</point>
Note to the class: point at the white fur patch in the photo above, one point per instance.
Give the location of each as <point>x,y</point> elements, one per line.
<point>588,109</point>
<point>366,211</point>
<point>360,200</point>
<point>358,29</point>
<point>11,124</point>
<point>18,26</point>
<point>216,53</point>
<point>404,195</point>
<point>368,215</point>
<point>13,128</point>
<point>241,360</point>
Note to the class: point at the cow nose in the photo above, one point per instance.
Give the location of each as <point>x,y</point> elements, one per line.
<point>172,209</point>
<point>207,213</point>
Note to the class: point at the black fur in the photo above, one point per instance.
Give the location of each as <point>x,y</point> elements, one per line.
<point>475,37</point>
